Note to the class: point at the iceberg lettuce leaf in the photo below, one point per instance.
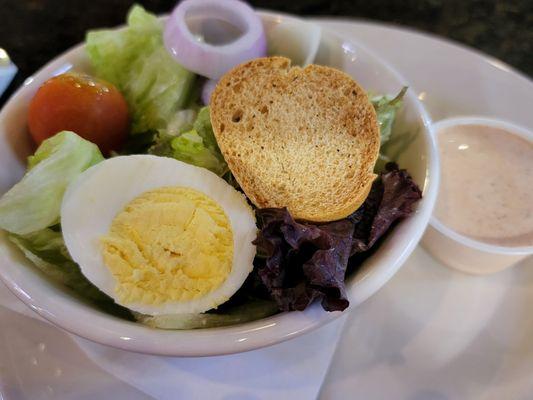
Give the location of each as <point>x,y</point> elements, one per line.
<point>135,60</point>
<point>34,203</point>
<point>47,251</point>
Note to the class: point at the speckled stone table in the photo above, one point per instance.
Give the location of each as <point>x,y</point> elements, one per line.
<point>34,31</point>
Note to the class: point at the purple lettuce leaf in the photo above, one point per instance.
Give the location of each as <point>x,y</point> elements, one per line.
<point>392,197</point>
<point>302,262</point>
<point>299,262</point>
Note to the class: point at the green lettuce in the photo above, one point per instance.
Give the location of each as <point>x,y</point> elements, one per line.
<point>194,144</point>
<point>34,203</point>
<point>158,90</point>
<point>251,311</point>
<point>135,60</point>
<point>386,108</point>
<point>47,251</point>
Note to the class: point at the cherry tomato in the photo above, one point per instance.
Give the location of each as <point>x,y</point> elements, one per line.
<point>90,107</point>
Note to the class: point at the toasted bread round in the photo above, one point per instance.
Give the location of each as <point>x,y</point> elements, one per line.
<point>302,138</point>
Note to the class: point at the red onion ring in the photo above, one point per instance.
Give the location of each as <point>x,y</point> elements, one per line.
<point>207,89</point>
<point>210,60</point>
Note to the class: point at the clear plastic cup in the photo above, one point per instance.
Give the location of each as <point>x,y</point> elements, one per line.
<point>462,252</point>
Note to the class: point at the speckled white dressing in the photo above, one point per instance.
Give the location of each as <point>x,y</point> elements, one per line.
<point>483,220</point>
<point>486,189</point>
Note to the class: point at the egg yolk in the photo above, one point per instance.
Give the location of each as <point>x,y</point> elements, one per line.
<point>169,244</point>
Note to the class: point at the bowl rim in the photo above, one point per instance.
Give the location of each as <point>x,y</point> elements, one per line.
<point>440,226</point>
<point>126,335</point>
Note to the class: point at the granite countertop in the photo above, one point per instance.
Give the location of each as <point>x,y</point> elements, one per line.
<point>34,31</point>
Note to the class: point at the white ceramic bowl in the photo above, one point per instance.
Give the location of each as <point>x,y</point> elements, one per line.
<point>412,147</point>
<point>461,252</point>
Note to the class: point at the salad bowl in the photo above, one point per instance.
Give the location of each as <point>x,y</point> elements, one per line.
<point>411,146</point>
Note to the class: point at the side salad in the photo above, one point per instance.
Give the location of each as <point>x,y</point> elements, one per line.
<point>129,202</point>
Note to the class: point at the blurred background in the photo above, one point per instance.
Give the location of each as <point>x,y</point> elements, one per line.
<point>34,31</point>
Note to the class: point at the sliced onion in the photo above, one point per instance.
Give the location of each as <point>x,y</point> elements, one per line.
<point>207,89</point>
<point>207,59</point>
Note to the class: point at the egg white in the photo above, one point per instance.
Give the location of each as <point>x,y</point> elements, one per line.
<point>93,200</point>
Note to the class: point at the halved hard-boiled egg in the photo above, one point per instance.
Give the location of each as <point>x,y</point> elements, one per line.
<point>158,235</point>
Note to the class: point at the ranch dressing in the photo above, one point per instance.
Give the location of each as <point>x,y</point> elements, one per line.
<point>486,189</point>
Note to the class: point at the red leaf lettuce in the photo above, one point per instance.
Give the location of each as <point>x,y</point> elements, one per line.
<point>299,262</point>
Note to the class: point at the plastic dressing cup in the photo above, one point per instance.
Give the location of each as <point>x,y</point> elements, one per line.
<point>469,253</point>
